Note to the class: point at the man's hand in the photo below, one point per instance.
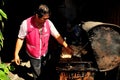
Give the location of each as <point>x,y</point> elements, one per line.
<point>66,52</point>
<point>17,60</point>
<point>69,50</point>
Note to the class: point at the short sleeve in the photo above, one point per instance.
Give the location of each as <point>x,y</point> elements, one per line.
<point>23,30</point>
<point>53,30</point>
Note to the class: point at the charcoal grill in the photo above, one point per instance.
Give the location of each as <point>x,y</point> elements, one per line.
<point>75,69</point>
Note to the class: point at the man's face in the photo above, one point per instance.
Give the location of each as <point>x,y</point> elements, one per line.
<point>42,19</point>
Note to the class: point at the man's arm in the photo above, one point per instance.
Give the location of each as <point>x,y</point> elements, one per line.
<point>63,43</point>
<point>58,37</point>
<point>18,46</point>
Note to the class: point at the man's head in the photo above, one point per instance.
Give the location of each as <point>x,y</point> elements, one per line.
<point>42,10</point>
<point>42,13</point>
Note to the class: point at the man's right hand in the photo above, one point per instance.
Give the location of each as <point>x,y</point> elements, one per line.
<point>17,60</point>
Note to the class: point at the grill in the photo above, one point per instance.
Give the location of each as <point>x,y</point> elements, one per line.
<point>75,69</point>
<point>104,41</point>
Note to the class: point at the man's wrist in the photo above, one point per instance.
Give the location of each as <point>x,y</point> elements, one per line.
<point>65,44</point>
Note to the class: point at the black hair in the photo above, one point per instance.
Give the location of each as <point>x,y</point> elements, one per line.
<point>42,10</point>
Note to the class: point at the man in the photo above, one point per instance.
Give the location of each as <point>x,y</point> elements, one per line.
<point>37,30</point>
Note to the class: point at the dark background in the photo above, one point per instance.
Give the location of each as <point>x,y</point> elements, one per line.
<point>87,10</point>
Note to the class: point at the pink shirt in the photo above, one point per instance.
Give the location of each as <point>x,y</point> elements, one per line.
<point>23,30</point>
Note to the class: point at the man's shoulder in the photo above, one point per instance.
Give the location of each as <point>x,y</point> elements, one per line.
<point>27,19</point>
<point>49,21</point>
